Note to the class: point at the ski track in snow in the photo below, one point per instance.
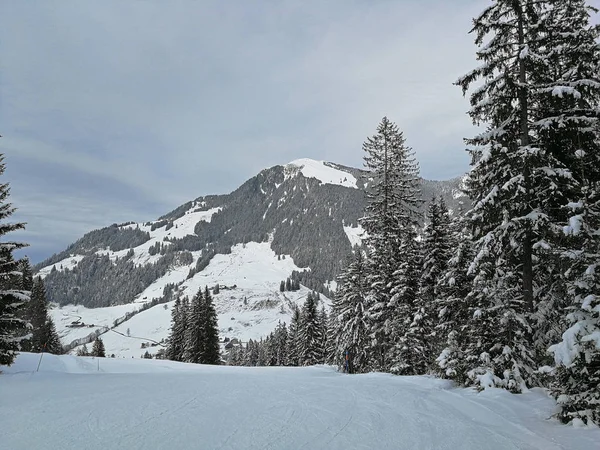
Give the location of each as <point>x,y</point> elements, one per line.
<point>153,404</point>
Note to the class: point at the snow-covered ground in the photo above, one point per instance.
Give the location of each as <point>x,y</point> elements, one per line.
<point>87,403</point>
<point>249,304</point>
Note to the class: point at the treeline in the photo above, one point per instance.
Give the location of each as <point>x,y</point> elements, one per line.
<point>97,281</point>
<point>303,343</point>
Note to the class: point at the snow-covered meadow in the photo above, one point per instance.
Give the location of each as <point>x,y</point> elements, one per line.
<point>87,403</point>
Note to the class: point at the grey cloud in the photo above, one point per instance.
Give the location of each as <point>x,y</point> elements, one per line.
<point>144,105</point>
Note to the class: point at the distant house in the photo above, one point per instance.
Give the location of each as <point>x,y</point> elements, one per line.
<point>232,343</point>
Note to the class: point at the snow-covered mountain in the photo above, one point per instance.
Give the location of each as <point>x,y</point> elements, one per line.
<point>299,218</point>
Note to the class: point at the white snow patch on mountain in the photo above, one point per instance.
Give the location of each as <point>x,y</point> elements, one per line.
<point>77,403</point>
<point>325,174</point>
<point>355,235</point>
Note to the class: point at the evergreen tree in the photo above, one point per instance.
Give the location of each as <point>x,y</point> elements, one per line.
<point>349,316</point>
<point>98,348</point>
<point>393,198</point>
<point>570,113</point>
<point>44,337</point>
<point>309,333</point>
<point>516,183</point>
<point>234,358</point>
<point>409,353</point>
<point>177,338</point>
<point>452,309</point>
<point>194,338</point>
<point>26,274</point>
<point>293,346</point>
<point>210,332</point>
<point>323,322</point>
<point>280,345</point>
<point>577,383</point>
<point>13,297</point>
<point>569,93</point>
<point>435,251</point>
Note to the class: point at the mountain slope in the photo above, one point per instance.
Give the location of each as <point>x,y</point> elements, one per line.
<point>306,212</point>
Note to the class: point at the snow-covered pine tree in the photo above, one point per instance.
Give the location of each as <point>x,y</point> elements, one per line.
<point>280,343</point>
<point>293,347</point>
<point>323,322</point>
<point>393,199</point>
<point>349,309</point>
<point>568,89</point>
<point>577,383</point>
<point>44,336</point>
<point>410,330</point>
<point>194,339</point>
<point>211,351</point>
<point>309,333</point>
<point>12,297</point>
<point>573,117</point>
<point>235,356</point>
<point>26,274</point>
<point>453,311</point>
<point>251,355</point>
<point>435,249</point>
<point>98,348</point>
<point>177,338</point>
<point>515,183</point>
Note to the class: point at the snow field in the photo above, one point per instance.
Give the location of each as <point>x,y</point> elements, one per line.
<point>325,174</point>
<point>75,403</point>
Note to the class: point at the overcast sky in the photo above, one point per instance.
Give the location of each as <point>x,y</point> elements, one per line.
<point>122,110</point>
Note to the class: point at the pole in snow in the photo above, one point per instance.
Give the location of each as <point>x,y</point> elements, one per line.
<point>41,356</point>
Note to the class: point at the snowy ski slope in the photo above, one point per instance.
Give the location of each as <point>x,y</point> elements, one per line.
<point>103,404</point>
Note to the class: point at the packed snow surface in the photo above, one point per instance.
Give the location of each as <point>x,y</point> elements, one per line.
<point>325,174</point>
<point>103,404</point>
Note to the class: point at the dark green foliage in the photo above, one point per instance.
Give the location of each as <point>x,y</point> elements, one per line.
<point>201,334</point>
<point>177,339</point>
<point>97,281</point>
<point>293,345</point>
<point>349,326</point>
<point>44,337</point>
<point>392,210</point>
<point>98,348</point>
<point>13,298</point>
<point>310,333</point>
<point>212,354</point>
